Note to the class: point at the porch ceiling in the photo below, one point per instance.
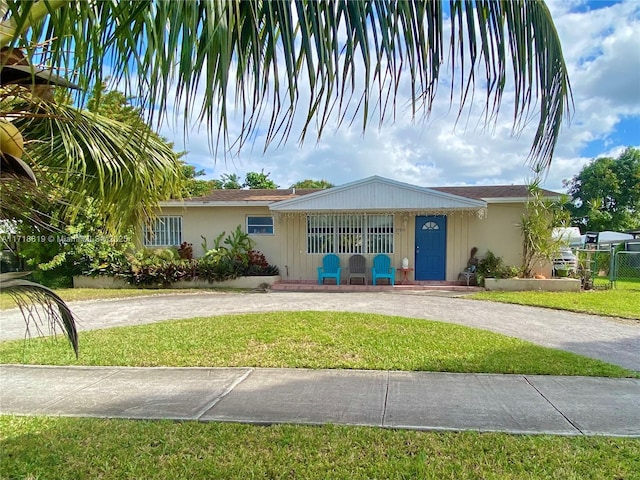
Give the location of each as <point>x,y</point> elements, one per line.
<point>377,194</point>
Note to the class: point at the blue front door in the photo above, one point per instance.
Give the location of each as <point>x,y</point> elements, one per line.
<point>431,247</point>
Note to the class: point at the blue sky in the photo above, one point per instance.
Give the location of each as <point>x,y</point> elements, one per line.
<point>601,44</point>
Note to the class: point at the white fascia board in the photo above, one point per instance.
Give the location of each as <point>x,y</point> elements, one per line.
<point>505,199</point>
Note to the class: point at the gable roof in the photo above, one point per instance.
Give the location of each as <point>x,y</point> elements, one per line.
<point>377,194</point>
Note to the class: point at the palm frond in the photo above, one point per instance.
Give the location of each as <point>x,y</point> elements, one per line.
<point>128,170</point>
<point>15,167</point>
<point>40,307</point>
<point>348,57</point>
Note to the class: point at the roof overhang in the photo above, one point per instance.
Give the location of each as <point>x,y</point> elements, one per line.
<point>377,194</point>
<point>506,199</point>
<point>517,199</point>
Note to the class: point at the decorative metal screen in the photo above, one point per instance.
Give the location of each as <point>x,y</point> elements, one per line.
<point>320,234</point>
<point>379,233</point>
<point>349,234</point>
<point>166,231</point>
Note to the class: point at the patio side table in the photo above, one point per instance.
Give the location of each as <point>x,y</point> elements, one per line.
<point>405,272</point>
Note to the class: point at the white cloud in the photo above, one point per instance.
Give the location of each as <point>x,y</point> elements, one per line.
<point>602,50</point>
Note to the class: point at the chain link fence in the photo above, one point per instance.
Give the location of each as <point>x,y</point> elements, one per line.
<point>626,272</point>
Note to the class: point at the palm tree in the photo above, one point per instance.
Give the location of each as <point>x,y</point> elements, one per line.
<point>86,154</point>
<point>269,56</point>
<point>341,59</point>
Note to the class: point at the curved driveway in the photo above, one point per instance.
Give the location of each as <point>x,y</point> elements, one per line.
<point>589,335</point>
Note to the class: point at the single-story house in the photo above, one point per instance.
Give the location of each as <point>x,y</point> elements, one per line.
<point>435,228</point>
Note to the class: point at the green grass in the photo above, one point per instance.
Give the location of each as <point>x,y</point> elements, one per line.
<point>64,448</point>
<point>309,340</point>
<point>614,303</point>
<point>627,284</point>
<point>76,294</point>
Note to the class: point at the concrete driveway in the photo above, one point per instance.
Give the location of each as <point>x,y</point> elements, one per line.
<point>589,335</point>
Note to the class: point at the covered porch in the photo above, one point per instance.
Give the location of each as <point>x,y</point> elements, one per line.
<point>432,230</point>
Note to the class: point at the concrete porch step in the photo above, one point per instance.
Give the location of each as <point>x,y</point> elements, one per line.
<point>314,287</point>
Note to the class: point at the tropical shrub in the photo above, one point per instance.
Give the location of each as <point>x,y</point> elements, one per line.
<point>492,266</point>
<point>155,267</point>
<point>83,251</point>
<point>541,216</point>
<point>230,257</point>
<point>258,265</point>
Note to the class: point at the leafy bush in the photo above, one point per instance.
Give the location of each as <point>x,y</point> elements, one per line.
<point>84,248</point>
<point>541,216</point>
<point>492,266</point>
<point>220,270</point>
<point>157,267</point>
<point>258,265</point>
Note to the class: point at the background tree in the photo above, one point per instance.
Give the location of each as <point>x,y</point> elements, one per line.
<point>115,105</point>
<point>230,181</point>
<point>605,195</point>
<point>194,187</point>
<point>308,183</point>
<point>259,180</point>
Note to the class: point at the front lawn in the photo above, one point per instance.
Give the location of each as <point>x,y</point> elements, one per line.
<point>309,340</point>
<point>614,303</point>
<point>66,448</point>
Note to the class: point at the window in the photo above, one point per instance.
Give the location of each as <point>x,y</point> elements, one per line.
<point>431,226</point>
<point>350,234</point>
<point>165,231</point>
<point>260,225</point>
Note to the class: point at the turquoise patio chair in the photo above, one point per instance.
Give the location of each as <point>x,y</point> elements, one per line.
<point>330,269</point>
<point>382,269</point>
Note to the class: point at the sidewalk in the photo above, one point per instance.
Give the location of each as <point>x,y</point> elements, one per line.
<point>523,404</point>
